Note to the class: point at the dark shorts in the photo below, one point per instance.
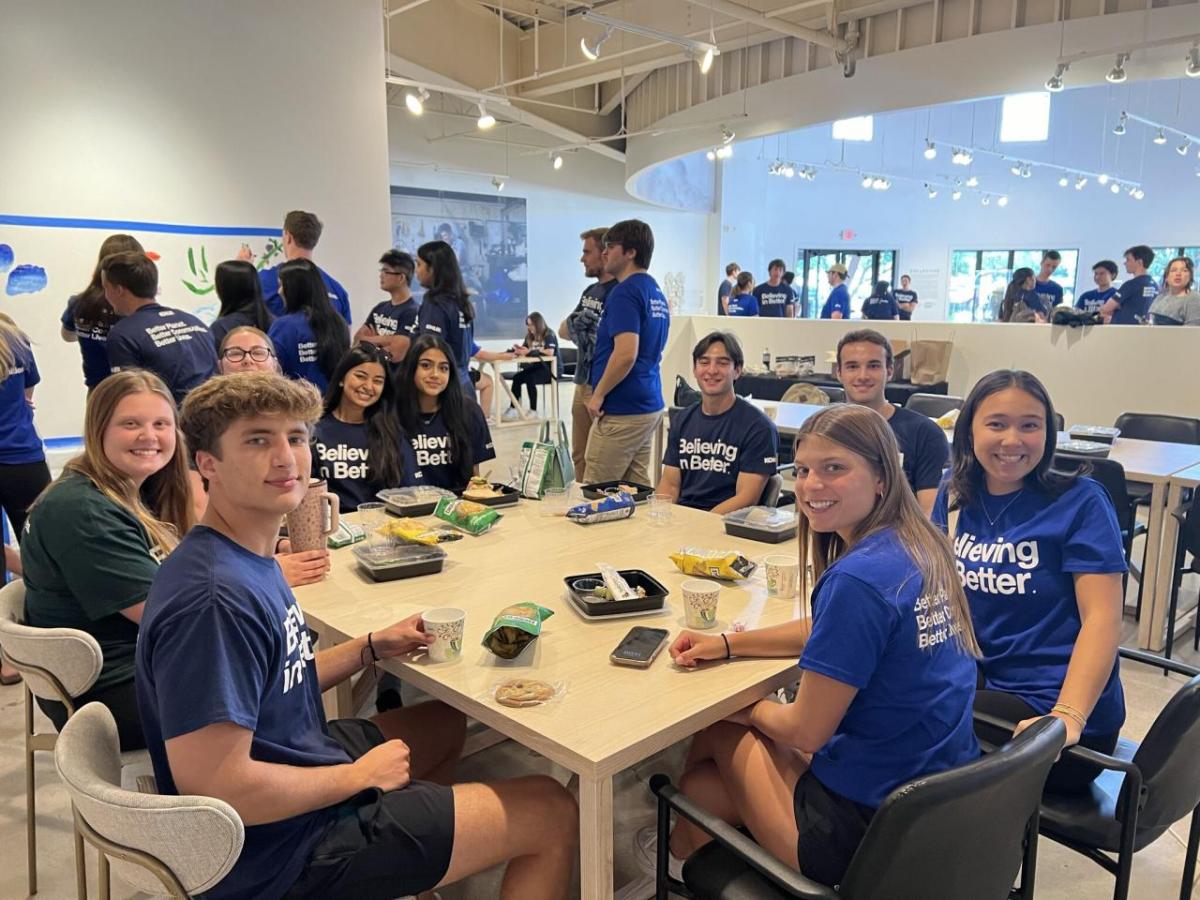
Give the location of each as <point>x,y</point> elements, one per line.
<point>475,375</point>
<point>831,828</point>
<point>121,700</point>
<point>383,844</point>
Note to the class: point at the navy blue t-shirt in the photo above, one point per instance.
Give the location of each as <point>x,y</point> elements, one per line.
<point>389,318</point>
<point>1018,575</point>
<point>884,307</point>
<point>174,345</point>
<point>924,450</point>
<point>1033,300</point>
<point>903,296</point>
<point>1135,296</point>
<point>223,639</point>
<point>711,451</point>
<point>635,305</point>
<point>93,340</point>
<point>743,305</point>
<point>296,349</point>
<point>723,291</point>
<point>875,629</point>
<point>1091,301</point>
<point>441,316</point>
<point>837,301</point>
<point>19,441</point>
<point>1050,292</point>
<point>774,301</point>
<point>431,447</point>
<point>341,456</point>
<point>225,324</point>
<point>269,279</point>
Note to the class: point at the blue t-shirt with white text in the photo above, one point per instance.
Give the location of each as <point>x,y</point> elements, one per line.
<point>442,316</point>
<point>874,628</point>
<point>296,349</point>
<point>389,318</point>
<point>171,343</point>
<point>1018,575</point>
<point>1134,298</point>
<point>711,451</point>
<point>1050,292</point>
<point>434,456</point>
<point>774,301</point>
<point>19,441</point>
<point>341,455</point>
<point>269,279</point>
<point>838,301</point>
<point>884,307</point>
<point>743,305</point>
<point>635,305</point>
<point>223,640</point>
<point>93,341</point>
<point>1091,301</point>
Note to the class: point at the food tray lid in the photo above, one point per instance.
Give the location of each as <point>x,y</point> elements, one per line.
<point>762,518</point>
<point>1083,447</point>
<point>394,555</point>
<point>413,496</point>
<point>1087,431</point>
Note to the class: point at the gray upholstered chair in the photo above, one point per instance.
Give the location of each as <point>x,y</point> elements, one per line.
<point>177,846</point>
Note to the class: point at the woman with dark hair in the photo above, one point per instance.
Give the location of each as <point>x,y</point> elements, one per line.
<point>310,338</point>
<point>1178,304</point>
<point>540,343</point>
<point>1021,302</point>
<point>448,431</point>
<point>881,304</point>
<point>446,311</point>
<point>240,293</point>
<point>742,301</point>
<point>88,316</point>
<point>1041,560</point>
<point>358,444</point>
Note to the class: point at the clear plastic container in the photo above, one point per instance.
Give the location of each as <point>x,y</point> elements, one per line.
<point>1084,448</point>
<point>389,561</point>
<point>762,523</point>
<point>413,501</point>
<point>1102,434</point>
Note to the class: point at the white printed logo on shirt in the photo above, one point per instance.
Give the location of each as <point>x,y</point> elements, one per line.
<point>986,579</point>
<point>432,451</point>
<point>299,648</point>
<point>696,455</point>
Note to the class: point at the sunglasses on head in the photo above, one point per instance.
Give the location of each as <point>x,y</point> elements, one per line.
<point>374,350</point>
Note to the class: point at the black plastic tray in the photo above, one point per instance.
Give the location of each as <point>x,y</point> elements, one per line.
<point>509,496</point>
<point>755,534</point>
<point>656,594</point>
<point>604,488</point>
<point>404,569</point>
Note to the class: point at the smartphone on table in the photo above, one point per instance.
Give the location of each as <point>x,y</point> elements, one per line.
<point>640,647</point>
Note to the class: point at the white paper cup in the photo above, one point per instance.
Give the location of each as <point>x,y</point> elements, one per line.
<point>446,624</point>
<point>783,576</point>
<point>700,599</point>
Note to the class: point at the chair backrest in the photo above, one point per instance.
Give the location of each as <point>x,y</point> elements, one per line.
<point>958,833</point>
<point>1111,475</point>
<point>1158,427</point>
<point>771,491</point>
<point>1168,760</point>
<point>803,392</point>
<point>198,838</point>
<point>568,359</point>
<point>71,656</point>
<point>835,394</point>
<point>933,405</point>
<point>1189,531</point>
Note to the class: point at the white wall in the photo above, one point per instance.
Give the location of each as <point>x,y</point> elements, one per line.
<point>221,113</point>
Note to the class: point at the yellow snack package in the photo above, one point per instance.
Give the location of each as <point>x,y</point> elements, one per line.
<point>414,531</point>
<point>727,564</point>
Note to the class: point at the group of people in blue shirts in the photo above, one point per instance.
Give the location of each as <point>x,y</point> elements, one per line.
<point>738,295</point>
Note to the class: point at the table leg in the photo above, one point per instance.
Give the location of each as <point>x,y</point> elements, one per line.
<point>1154,601</point>
<point>1165,567</point>
<point>595,838</point>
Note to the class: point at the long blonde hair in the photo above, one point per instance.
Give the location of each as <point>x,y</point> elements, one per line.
<point>11,337</point>
<point>866,433</point>
<point>163,506</point>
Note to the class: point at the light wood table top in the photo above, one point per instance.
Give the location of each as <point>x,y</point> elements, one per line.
<point>1188,478</point>
<point>609,716</point>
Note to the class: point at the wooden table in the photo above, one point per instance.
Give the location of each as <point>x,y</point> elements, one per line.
<point>501,382</point>
<point>1184,480</point>
<point>610,717</point>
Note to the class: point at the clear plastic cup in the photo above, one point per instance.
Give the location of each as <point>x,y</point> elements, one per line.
<point>658,508</point>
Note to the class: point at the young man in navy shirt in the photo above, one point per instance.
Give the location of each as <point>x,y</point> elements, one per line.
<point>174,345</point>
<point>775,299</point>
<point>722,450</point>
<point>390,324</point>
<point>1131,304</point>
<point>726,287</point>
<point>1050,292</point>
<point>906,298</point>
<point>1103,274</point>
<point>229,690</point>
<point>626,405</point>
<point>837,304</point>
<point>301,231</point>
<point>864,368</point>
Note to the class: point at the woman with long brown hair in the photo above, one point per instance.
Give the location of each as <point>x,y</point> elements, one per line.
<point>96,536</point>
<point>88,316</point>
<point>888,658</point>
<point>540,343</point>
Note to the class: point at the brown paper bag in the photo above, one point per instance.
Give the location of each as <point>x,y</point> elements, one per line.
<point>901,359</point>
<point>930,361</point>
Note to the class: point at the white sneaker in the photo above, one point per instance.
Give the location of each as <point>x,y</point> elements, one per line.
<point>510,414</point>
<point>645,851</point>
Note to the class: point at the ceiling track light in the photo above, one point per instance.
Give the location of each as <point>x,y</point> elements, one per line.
<point>1116,75</point>
<point>416,101</point>
<point>930,149</point>
<point>592,50</point>
<point>867,181</point>
<point>703,52</point>
<point>1119,128</point>
<point>1055,82</point>
<point>932,191</point>
<point>1102,179</point>
<point>1080,183</point>
<point>1115,187</point>
<point>985,200</point>
<point>1063,181</point>
<point>1161,136</point>
<point>486,120</point>
<point>1183,148</point>
<point>956,194</point>
<point>705,59</point>
<point>556,160</point>
<point>1002,200</point>
<point>1192,69</point>
<point>724,151</point>
<point>497,183</point>
<point>1028,171</point>
<point>972,182</point>
<point>1017,169</point>
<point>726,134</point>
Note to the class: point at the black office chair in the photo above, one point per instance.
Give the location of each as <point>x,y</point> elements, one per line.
<point>933,405</point>
<point>1156,427</point>
<point>1189,542</point>
<point>1144,790</point>
<point>961,833</point>
<point>1059,423</point>
<point>568,359</point>
<point>836,394</point>
<point>772,491</point>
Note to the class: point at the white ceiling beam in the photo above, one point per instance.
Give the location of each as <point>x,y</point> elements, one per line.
<point>762,20</point>
<point>622,90</point>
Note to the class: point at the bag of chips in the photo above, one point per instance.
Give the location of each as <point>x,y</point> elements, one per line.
<point>473,518</point>
<point>514,628</point>
<point>606,509</point>
<point>728,564</point>
<point>414,531</point>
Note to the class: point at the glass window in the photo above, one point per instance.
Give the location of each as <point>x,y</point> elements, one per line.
<point>860,128</point>
<point>1025,117</point>
<point>863,269</point>
<point>979,278</point>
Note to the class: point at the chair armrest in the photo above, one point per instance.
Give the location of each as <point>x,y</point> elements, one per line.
<point>1159,662</point>
<point>745,849</point>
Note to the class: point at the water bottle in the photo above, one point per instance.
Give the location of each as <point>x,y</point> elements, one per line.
<point>766,359</point>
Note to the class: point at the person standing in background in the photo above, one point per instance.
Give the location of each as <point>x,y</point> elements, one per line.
<point>1131,304</point>
<point>391,323</point>
<point>311,338</point>
<point>241,299</point>
<point>906,298</point>
<point>1021,302</point>
<point>881,304</point>
<point>743,302</point>
<point>1178,304</point>
<point>446,311</point>
<point>1103,274</point>
<point>1050,292</point>
<point>775,299</point>
<point>89,317</point>
<point>726,288</point>
<point>301,231</point>
<point>837,304</point>
<point>626,405</point>
<point>580,327</point>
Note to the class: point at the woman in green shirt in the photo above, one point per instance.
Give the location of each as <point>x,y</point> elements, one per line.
<point>96,535</point>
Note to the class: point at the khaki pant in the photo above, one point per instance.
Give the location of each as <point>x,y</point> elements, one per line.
<point>581,424</point>
<point>618,447</point>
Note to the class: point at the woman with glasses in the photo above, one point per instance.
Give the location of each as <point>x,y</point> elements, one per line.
<point>359,447</point>
<point>241,297</point>
<point>310,338</point>
<point>246,349</point>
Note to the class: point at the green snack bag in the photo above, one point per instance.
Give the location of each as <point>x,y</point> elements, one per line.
<point>514,628</point>
<point>473,518</point>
